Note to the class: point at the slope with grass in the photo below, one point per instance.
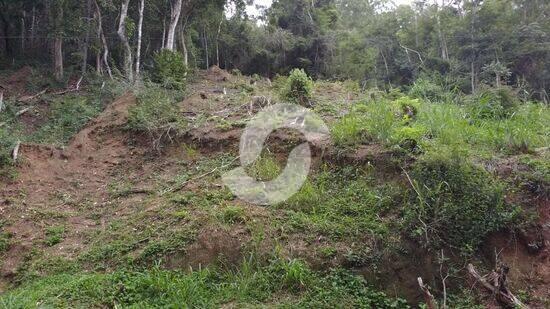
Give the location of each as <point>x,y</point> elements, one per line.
<point>128,208</point>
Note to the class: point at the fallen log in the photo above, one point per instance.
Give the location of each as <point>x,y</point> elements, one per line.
<point>497,286</point>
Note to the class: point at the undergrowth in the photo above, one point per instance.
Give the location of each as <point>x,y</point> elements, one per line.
<point>249,285</point>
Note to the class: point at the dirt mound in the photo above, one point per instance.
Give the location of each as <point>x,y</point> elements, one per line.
<point>78,173</point>
<point>16,83</point>
<point>216,74</point>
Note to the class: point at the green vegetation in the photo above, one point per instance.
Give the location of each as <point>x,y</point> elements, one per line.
<point>157,115</point>
<point>169,69</point>
<point>250,285</point>
<point>54,235</point>
<point>457,203</point>
<point>298,88</point>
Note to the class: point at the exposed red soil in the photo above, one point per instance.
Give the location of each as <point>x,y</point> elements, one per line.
<point>79,171</point>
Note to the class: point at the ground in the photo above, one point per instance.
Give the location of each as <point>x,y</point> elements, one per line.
<point>107,199</point>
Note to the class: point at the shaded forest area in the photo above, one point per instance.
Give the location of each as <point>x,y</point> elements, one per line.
<point>455,45</point>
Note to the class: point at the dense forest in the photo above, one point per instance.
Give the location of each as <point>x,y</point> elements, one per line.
<point>133,174</point>
<point>461,45</point>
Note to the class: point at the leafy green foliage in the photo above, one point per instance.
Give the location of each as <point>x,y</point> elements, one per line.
<point>298,88</point>
<point>457,203</point>
<point>169,69</point>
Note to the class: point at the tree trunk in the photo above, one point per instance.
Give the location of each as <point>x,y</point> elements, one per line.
<point>163,43</point>
<point>58,57</point>
<point>86,37</point>
<point>206,48</point>
<point>128,71</point>
<point>175,11</point>
<point>23,31</point>
<point>103,41</point>
<point>33,26</point>
<point>218,43</point>
<point>140,26</point>
<point>442,41</point>
<point>184,47</point>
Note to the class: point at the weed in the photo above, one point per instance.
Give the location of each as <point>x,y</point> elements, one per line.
<point>54,235</point>
<point>232,214</point>
<point>265,168</point>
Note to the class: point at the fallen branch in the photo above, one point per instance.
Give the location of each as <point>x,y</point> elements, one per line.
<point>183,184</point>
<point>15,151</point>
<point>498,287</point>
<point>31,97</point>
<point>1,101</point>
<point>70,89</point>
<point>24,110</point>
<point>428,297</point>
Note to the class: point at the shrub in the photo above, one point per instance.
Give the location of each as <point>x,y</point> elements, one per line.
<point>299,88</point>
<point>169,69</point>
<point>492,103</point>
<point>427,90</point>
<point>157,115</point>
<point>457,203</point>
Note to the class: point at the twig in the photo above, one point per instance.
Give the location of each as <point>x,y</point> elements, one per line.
<point>183,184</point>
<point>428,297</point>
<point>31,97</point>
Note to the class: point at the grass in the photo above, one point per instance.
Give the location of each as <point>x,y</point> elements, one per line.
<point>54,235</point>
<point>280,283</point>
<point>341,205</point>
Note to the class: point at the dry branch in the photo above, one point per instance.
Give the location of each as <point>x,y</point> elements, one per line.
<point>428,297</point>
<point>497,286</point>
<point>1,101</point>
<point>24,110</point>
<point>28,98</point>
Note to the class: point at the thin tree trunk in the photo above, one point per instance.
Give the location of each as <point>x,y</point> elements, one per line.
<point>184,47</point>
<point>163,43</point>
<point>128,71</point>
<point>86,37</point>
<point>103,40</point>
<point>218,42</point>
<point>23,31</point>
<point>175,11</point>
<point>206,48</point>
<point>33,25</point>
<point>58,57</point>
<point>140,26</point>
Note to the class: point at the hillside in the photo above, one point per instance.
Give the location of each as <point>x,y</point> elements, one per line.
<point>116,197</point>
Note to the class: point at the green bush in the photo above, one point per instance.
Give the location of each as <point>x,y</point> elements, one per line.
<point>298,88</point>
<point>429,91</point>
<point>492,103</point>
<point>169,70</point>
<point>156,114</point>
<point>457,203</point>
